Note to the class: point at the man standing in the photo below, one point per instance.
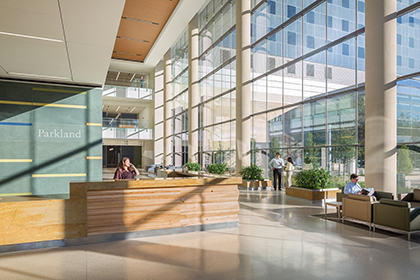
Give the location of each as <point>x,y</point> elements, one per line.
<point>298,162</point>
<point>276,164</point>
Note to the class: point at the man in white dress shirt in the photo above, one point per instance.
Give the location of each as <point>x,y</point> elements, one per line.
<point>276,164</point>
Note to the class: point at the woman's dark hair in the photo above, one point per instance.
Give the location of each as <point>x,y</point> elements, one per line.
<point>289,159</point>
<point>121,163</point>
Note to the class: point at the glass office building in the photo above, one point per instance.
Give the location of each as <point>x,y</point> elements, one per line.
<point>307,79</point>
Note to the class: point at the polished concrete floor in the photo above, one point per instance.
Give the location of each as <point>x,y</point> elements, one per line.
<point>278,238</point>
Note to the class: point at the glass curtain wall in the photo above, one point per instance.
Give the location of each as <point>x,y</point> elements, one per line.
<point>307,81</point>
<point>308,99</point>
<point>408,98</point>
<point>217,83</point>
<point>179,58</point>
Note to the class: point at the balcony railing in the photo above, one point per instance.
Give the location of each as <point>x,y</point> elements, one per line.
<point>127,133</point>
<point>127,92</point>
<point>126,123</point>
<point>126,129</point>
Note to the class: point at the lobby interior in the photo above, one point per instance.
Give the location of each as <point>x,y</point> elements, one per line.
<point>302,77</point>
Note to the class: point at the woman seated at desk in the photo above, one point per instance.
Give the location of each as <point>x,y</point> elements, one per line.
<point>125,170</point>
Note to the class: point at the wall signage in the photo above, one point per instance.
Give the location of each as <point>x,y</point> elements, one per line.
<point>59,133</point>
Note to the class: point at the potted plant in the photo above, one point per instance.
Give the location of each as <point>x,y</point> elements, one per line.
<point>313,185</point>
<point>217,168</point>
<point>192,166</point>
<point>252,177</point>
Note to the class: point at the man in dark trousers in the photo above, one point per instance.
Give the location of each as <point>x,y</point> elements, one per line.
<point>277,165</point>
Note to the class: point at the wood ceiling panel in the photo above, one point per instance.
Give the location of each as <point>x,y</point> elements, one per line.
<point>138,30</point>
<point>130,46</point>
<point>150,10</point>
<point>141,20</point>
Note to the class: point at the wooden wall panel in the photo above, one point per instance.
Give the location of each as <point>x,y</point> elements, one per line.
<point>119,206</point>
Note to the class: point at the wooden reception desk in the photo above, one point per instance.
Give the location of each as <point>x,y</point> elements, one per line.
<point>111,207</point>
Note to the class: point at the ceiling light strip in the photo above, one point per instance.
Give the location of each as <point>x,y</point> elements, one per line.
<point>31,37</point>
<point>132,39</point>
<point>127,53</point>
<point>38,76</point>
<point>139,20</point>
<point>117,76</point>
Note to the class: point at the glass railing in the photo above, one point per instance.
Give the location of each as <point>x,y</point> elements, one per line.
<point>127,92</point>
<point>127,133</point>
<point>126,123</point>
<point>127,129</point>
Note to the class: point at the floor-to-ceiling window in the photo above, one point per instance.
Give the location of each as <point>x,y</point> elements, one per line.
<point>408,96</point>
<point>179,58</point>
<point>307,78</point>
<point>307,68</point>
<point>217,83</point>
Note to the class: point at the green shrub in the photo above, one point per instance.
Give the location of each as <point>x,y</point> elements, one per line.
<point>217,168</point>
<point>313,179</point>
<point>253,172</point>
<point>192,166</point>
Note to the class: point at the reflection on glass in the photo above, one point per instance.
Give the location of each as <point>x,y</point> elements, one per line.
<point>408,60</point>
<point>314,84</point>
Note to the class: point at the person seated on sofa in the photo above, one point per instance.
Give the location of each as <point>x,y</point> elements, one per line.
<point>354,187</point>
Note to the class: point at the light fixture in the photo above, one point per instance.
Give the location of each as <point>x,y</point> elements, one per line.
<point>38,76</point>
<point>132,109</point>
<point>132,77</point>
<point>117,109</point>
<point>31,37</point>
<point>117,76</point>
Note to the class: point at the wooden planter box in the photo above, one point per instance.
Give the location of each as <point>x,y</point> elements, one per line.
<point>313,196</point>
<point>255,185</point>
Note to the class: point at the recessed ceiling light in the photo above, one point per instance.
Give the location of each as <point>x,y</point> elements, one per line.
<point>38,76</point>
<point>117,76</point>
<point>132,109</point>
<point>117,109</point>
<point>132,77</point>
<point>31,37</point>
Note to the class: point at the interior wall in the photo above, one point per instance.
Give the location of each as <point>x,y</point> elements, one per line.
<point>49,136</point>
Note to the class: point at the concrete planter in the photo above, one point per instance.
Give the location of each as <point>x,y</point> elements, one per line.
<point>255,185</point>
<point>313,196</point>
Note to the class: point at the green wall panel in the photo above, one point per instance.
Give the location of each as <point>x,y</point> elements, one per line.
<point>52,133</point>
<point>21,184</point>
<point>15,133</point>
<point>11,149</point>
<point>60,185</point>
<point>54,115</point>
<point>15,113</point>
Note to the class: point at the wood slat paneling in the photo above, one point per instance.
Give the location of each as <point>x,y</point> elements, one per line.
<point>124,210</point>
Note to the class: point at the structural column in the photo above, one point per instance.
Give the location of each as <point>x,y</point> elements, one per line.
<point>167,80</point>
<point>381,95</point>
<point>243,86</point>
<point>159,128</point>
<point>193,94</point>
